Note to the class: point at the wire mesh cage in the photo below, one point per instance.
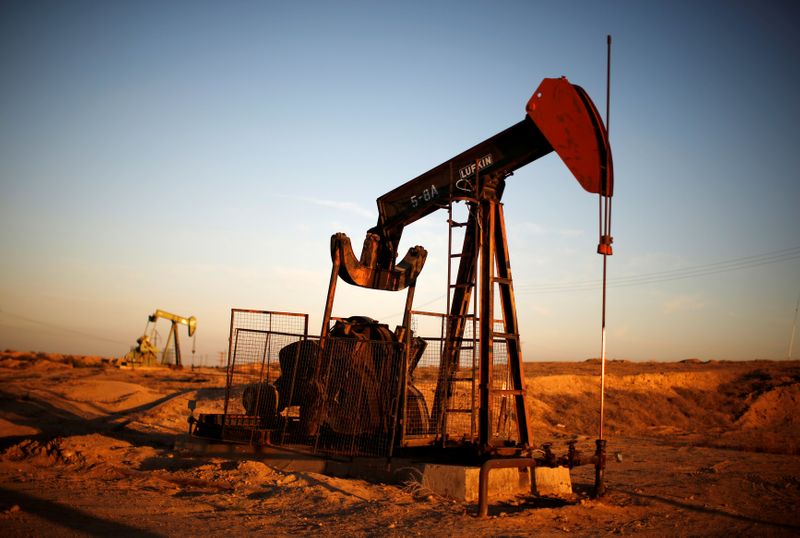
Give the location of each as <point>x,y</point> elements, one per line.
<point>256,338</point>
<point>502,406</point>
<point>336,395</point>
<point>447,387</point>
<point>356,401</point>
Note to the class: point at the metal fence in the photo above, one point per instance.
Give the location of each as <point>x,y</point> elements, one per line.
<point>454,414</point>
<point>337,395</point>
<point>355,404</point>
<point>256,338</point>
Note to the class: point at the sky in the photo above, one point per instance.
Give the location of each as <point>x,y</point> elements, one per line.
<point>197,156</point>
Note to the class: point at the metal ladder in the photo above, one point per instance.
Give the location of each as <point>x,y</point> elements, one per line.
<point>461,379</point>
<point>455,377</point>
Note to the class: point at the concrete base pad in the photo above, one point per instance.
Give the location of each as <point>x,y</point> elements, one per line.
<point>552,482</point>
<point>461,482</point>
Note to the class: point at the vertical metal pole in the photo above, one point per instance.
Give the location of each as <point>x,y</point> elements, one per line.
<point>173,335</point>
<point>486,322</point>
<point>603,351</point>
<point>475,372</point>
<point>326,316</point>
<point>231,366</point>
<point>608,83</point>
<point>448,349</point>
<point>402,382</point>
<point>600,462</point>
<point>604,231</point>
<point>409,303</point>
<point>268,349</point>
<point>321,371</point>
<point>194,347</point>
<point>794,327</point>
<point>229,369</point>
<point>449,245</point>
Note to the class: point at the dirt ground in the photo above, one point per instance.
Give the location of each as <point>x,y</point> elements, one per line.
<point>708,449</point>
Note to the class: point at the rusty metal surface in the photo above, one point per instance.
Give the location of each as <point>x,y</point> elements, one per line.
<point>599,468</point>
<point>570,122</point>
<point>499,155</point>
<point>559,116</point>
<point>367,273</point>
<point>336,395</point>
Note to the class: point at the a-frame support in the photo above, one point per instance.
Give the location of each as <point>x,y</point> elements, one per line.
<point>173,335</point>
<point>485,243</point>
<point>494,255</point>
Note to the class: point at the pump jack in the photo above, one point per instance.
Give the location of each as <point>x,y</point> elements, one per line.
<point>190,322</point>
<point>560,117</point>
<point>146,351</point>
<point>352,392</point>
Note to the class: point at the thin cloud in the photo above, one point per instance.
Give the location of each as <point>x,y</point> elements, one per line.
<point>542,311</point>
<point>569,232</point>
<point>683,303</point>
<point>534,228</point>
<point>348,207</point>
<point>299,274</point>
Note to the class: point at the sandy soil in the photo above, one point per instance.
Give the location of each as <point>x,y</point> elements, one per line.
<point>708,449</point>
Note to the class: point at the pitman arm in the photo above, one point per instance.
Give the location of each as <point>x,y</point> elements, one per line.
<point>560,117</point>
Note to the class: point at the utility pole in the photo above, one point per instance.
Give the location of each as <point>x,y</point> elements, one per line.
<point>794,327</point>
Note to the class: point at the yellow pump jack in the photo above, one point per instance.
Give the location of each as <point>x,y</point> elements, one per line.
<point>145,351</point>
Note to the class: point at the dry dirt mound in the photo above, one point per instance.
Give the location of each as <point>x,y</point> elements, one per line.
<point>122,478</point>
<point>33,359</point>
<point>635,404</point>
<point>777,408</point>
<point>770,423</point>
<point>79,452</point>
<point>106,395</point>
<point>752,406</point>
<point>169,414</point>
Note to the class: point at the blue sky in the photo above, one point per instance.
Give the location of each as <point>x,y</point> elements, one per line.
<point>197,156</point>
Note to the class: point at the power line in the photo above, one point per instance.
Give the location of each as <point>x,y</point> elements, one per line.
<point>694,271</point>
<point>60,328</point>
<point>416,307</point>
<point>777,256</point>
<point>735,264</point>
